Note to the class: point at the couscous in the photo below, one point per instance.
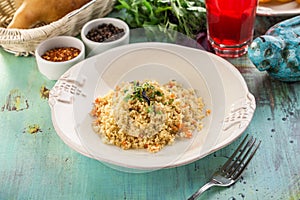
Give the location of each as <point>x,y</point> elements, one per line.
<point>147,115</point>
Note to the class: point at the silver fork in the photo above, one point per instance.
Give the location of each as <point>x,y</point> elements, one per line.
<point>232,170</point>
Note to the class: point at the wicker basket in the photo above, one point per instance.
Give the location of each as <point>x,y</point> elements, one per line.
<point>22,42</point>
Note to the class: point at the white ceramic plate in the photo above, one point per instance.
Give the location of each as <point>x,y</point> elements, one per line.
<point>222,87</point>
<point>275,8</point>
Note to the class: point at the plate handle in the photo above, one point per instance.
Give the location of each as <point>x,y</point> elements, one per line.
<point>66,88</point>
<point>240,114</point>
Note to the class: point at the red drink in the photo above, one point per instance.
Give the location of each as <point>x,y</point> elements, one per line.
<point>230,25</point>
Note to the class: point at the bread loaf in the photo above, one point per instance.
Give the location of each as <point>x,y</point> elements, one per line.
<point>32,12</point>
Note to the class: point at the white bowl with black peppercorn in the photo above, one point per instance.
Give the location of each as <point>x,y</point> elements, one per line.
<point>102,34</point>
<point>56,55</point>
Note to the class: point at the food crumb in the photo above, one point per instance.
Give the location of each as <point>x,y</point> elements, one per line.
<point>33,129</point>
<point>208,111</point>
<point>44,92</point>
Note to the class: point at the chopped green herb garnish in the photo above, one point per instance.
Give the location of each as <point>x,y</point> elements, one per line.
<point>158,93</point>
<point>158,112</point>
<point>150,109</point>
<point>171,101</point>
<point>127,97</point>
<point>144,92</point>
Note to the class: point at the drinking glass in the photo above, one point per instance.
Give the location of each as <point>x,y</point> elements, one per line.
<point>230,25</point>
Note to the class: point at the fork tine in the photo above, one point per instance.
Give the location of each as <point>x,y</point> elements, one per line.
<point>237,161</point>
<point>249,158</point>
<point>229,161</point>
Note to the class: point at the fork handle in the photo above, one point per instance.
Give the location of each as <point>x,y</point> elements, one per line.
<point>201,190</point>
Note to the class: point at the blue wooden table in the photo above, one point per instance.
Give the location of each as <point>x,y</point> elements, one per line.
<point>36,164</point>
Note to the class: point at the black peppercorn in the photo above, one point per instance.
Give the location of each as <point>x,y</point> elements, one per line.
<point>105,33</point>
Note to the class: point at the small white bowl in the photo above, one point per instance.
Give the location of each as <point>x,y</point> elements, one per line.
<point>53,70</point>
<point>94,48</point>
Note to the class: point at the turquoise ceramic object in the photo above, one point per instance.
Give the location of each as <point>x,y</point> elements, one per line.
<point>278,51</point>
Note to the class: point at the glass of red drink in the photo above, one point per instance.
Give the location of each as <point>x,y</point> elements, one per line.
<point>230,25</point>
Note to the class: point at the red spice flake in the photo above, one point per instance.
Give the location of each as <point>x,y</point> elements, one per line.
<point>61,54</point>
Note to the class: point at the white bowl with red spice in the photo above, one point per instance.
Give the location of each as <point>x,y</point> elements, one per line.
<point>56,55</point>
<point>102,34</point>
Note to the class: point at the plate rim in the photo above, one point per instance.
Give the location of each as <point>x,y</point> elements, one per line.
<point>265,9</point>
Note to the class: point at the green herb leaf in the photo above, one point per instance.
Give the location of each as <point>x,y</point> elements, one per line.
<point>187,17</point>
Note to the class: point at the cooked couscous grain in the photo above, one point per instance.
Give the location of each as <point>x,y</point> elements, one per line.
<point>147,115</point>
